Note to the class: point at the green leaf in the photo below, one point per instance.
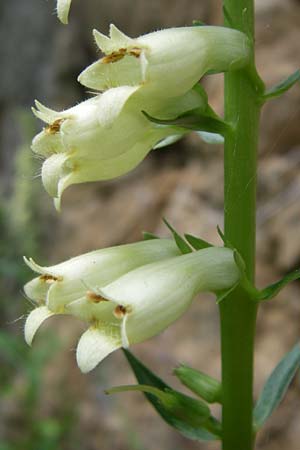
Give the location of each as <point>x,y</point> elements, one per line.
<point>149,236</point>
<point>283,86</point>
<point>180,242</point>
<point>145,376</point>
<point>222,236</point>
<point>194,119</point>
<point>193,412</point>
<point>272,290</point>
<point>276,386</point>
<point>197,243</point>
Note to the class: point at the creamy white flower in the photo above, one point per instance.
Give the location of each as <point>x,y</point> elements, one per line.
<point>137,303</point>
<point>63,8</point>
<point>60,284</point>
<point>103,137</point>
<point>167,62</point>
<point>70,280</point>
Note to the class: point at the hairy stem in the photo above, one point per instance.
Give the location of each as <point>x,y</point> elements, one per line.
<point>238,313</point>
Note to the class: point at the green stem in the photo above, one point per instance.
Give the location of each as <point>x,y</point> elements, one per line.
<point>238,313</point>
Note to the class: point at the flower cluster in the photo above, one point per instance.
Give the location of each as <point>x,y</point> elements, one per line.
<point>129,293</point>
<point>102,137</point>
<point>108,134</point>
<point>126,294</point>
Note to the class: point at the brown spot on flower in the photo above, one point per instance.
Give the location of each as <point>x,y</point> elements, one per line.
<point>114,56</point>
<point>136,52</point>
<point>50,278</point>
<point>95,298</point>
<point>54,127</point>
<point>120,311</point>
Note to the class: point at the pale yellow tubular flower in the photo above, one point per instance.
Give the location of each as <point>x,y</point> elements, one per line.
<point>72,280</point>
<point>126,294</point>
<point>167,62</point>
<point>103,137</point>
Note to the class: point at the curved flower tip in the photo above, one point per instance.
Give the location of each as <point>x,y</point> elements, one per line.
<point>63,8</point>
<point>34,321</point>
<point>94,345</point>
<point>33,265</point>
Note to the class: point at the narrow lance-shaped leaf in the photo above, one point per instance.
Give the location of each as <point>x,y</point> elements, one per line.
<point>195,119</point>
<point>283,86</point>
<point>147,236</point>
<point>197,243</point>
<point>276,386</point>
<point>193,412</point>
<point>222,236</point>
<point>180,242</point>
<point>146,376</point>
<point>271,291</point>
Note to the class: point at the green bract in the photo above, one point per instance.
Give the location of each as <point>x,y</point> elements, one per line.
<point>167,62</point>
<point>63,8</point>
<point>103,137</point>
<point>127,294</point>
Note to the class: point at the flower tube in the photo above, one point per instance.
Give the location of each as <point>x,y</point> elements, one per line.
<point>60,284</point>
<point>166,62</point>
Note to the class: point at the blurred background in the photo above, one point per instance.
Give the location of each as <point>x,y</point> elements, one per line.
<point>46,403</point>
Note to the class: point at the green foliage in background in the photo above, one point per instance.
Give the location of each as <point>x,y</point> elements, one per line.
<point>22,369</point>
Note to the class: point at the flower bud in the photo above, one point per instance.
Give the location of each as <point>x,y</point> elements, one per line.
<point>103,137</point>
<point>63,8</point>
<point>167,62</point>
<point>200,383</point>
